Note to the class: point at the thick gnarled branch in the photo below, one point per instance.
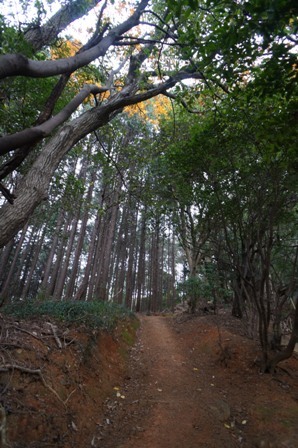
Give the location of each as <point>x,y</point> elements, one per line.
<point>29,136</point>
<point>19,65</point>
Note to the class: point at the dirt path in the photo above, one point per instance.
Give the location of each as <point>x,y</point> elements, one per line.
<point>168,398</point>
<point>181,392</point>
<point>178,416</point>
<point>188,382</point>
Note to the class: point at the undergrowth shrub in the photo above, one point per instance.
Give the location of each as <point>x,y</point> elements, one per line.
<point>94,314</point>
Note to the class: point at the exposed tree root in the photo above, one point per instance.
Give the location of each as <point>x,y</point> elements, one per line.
<point>8,367</point>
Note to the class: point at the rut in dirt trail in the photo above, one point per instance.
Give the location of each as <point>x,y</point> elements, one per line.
<point>164,407</point>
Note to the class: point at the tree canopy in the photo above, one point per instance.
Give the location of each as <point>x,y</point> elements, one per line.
<point>45,83</point>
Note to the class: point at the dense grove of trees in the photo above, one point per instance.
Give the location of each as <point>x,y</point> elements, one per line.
<point>95,237</point>
<point>154,163</point>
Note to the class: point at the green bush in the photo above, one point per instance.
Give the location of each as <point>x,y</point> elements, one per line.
<point>93,314</point>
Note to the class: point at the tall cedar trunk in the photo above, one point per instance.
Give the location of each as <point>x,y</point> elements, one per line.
<point>172,261</point>
<point>101,288</point>
<point>130,275</point>
<point>96,261</point>
<point>141,261</point>
<point>62,278</point>
<point>75,265</point>
<point>50,287</point>
<point>62,275</point>
<point>34,260</point>
<point>120,263</point>
<point>82,290</point>
<point>54,245</point>
<point>156,298</point>
<point>24,262</point>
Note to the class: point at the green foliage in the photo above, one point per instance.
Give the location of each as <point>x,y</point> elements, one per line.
<point>95,314</point>
<point>190,289</point>
<point>12,39</point>
<point>21,101</point>
<point>228,40</point>
<point>206,287</point>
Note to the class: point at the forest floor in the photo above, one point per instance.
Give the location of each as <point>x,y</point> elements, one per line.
<point>187,382</point>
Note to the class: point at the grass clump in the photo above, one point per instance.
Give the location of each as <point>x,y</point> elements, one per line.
<point>93,314</point>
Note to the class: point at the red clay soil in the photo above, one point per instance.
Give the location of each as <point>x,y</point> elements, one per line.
<point>186,390</point>
<point>189,383</point>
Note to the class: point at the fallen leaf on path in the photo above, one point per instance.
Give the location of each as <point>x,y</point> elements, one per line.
<point>74,426</point>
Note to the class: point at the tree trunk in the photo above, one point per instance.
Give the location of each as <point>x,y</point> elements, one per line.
<point>141,261</point>
<point>86,284</point>
<point>75,266</point>
<point>54,244</point>
<point>4,260</point>
<point>7,285</point>
<point>62,275</point>
<point>121,258</point>
<point>130,275</point>
<point>288,351</point>
<point>108,232</point>
<point>34,260</point>
<point>50,288</point>
<point>156,294</point>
